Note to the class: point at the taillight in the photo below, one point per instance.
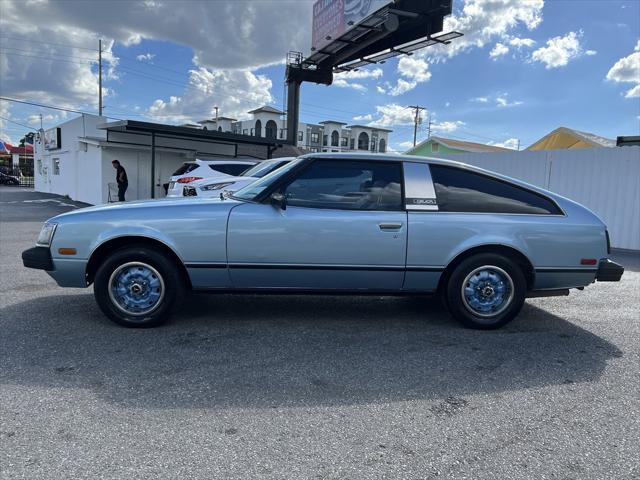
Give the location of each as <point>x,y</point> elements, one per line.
<point>588,261</point>
<point>188,179</point>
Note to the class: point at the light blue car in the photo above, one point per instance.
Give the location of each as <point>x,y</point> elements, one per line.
<point>333,223</point>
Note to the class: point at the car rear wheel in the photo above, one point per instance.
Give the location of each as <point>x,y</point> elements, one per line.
<point>138,287</point>
<point>486,291</point>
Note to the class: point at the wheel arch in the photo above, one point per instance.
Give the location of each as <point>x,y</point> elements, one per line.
<point>499,249</point>
<point>108,246</point>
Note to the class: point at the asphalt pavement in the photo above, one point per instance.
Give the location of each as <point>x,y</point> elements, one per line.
<point>322,387</point>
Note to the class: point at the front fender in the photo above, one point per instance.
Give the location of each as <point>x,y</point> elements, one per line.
<point>134,231</point>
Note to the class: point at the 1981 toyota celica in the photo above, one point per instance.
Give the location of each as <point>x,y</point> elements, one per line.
<point>329,223</point>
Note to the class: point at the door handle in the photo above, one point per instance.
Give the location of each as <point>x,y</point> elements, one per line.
<point>390,226</point>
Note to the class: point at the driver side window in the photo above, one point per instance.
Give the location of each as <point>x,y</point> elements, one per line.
<point>348,185</point>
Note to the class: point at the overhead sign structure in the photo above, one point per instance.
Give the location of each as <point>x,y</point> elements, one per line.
<point>333,18</point>
<point>350,34</point>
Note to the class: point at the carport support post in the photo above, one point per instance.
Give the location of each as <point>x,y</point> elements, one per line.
<point>153,164</point>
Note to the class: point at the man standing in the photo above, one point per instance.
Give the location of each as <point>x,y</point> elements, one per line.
<point>121,179</point>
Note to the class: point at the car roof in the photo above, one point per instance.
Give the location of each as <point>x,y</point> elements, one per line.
<point>396,157</point>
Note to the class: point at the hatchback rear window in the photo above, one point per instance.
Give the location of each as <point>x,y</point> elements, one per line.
<point>460,190</point>
<point>186,168</point>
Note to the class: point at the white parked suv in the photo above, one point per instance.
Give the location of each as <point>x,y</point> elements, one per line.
<point>199,169</point>
<point>212,187</point>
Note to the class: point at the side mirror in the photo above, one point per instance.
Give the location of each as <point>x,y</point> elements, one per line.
<point>279,200</point>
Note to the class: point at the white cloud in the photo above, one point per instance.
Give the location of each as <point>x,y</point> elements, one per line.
<point>480,100</point>
<point>590,53</point>
<point>446,127</point>
<point>483,21</point>
<point>559,50</point>
<point>380,89</point>
<point>360,74</point>
<point>627,70</point>
<point>246,35</point>
<point>521,42</point>
<point>447,104</point>
<point>502,101</point>
<point>51,73</point>
<point>5,111</point>
<point>146,57</point>
<point>233,91</point>
<point>341,83</point>
<point>413,70</point>
<point>341,80</point>
<point>402,86</point>
<point>634,92</point>
<point>405,145</point>
<point>47,118</point>
<point>363,118</point>
<point>393,114</point>
<point>512,143</point>
<point>498,50</point>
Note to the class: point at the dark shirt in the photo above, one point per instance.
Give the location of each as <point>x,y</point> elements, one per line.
<point>121,176</point>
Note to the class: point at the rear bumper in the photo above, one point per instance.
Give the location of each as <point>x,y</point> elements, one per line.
<point>39,258</point>
<point>609,271</point>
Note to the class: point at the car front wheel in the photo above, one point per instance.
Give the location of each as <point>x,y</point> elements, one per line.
<point>486,291</point>
<point>138,287</point>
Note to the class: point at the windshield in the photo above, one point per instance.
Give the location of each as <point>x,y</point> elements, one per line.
<point>262,168</point>
<point>254,189</point>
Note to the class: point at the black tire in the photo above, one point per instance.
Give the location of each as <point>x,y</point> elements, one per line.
<point>459,306</point>
<point>172,282</point>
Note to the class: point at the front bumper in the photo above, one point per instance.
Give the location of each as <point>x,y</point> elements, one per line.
<point>39,258</point>
<point>609,271</point>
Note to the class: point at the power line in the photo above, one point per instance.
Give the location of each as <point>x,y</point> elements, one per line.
<point>17,123</point>
<point>52,107</point>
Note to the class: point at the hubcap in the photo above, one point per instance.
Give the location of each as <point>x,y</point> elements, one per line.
<point>136,288</point>
<point>487,291</point>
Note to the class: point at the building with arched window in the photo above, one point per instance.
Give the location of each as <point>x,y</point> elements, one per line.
<point>325,136</point>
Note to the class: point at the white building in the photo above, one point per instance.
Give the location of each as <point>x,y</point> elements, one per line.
<point>74,158</point>
<point>327,136</point>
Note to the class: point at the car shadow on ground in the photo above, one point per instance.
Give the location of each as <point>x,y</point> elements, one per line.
<point>227,351</point>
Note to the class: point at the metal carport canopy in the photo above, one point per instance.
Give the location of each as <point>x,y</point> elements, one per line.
<point>147,134</point>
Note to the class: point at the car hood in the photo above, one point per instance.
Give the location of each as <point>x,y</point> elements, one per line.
<point>145,208</point>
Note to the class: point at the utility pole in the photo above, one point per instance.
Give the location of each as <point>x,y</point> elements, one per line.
<point>429,127</point>
<point>417,108</point>
<point>216,115</point>
<point>40,121</point>
<point>518,144</point>
<point>100,77</point>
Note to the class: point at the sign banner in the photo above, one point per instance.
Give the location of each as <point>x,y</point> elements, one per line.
<point>52,139</point>
<point>332,18</point>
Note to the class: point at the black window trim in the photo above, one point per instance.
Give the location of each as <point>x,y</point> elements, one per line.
<point>304,166</point>
<point>498,179</point>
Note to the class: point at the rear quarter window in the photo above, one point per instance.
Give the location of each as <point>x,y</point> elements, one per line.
<point>459,190</point>
<point>234,169</point>
<point>185,168</point>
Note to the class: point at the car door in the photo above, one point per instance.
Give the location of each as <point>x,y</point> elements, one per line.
<point>344,228</point>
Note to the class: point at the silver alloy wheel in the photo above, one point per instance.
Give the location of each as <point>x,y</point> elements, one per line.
<point>136,288</point>
<point>487,291</point>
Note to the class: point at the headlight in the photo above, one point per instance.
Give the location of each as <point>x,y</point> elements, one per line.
<point>215,186</point>
<point>46,234</point>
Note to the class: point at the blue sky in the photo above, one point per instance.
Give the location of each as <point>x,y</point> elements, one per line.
<point>523,68</point>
